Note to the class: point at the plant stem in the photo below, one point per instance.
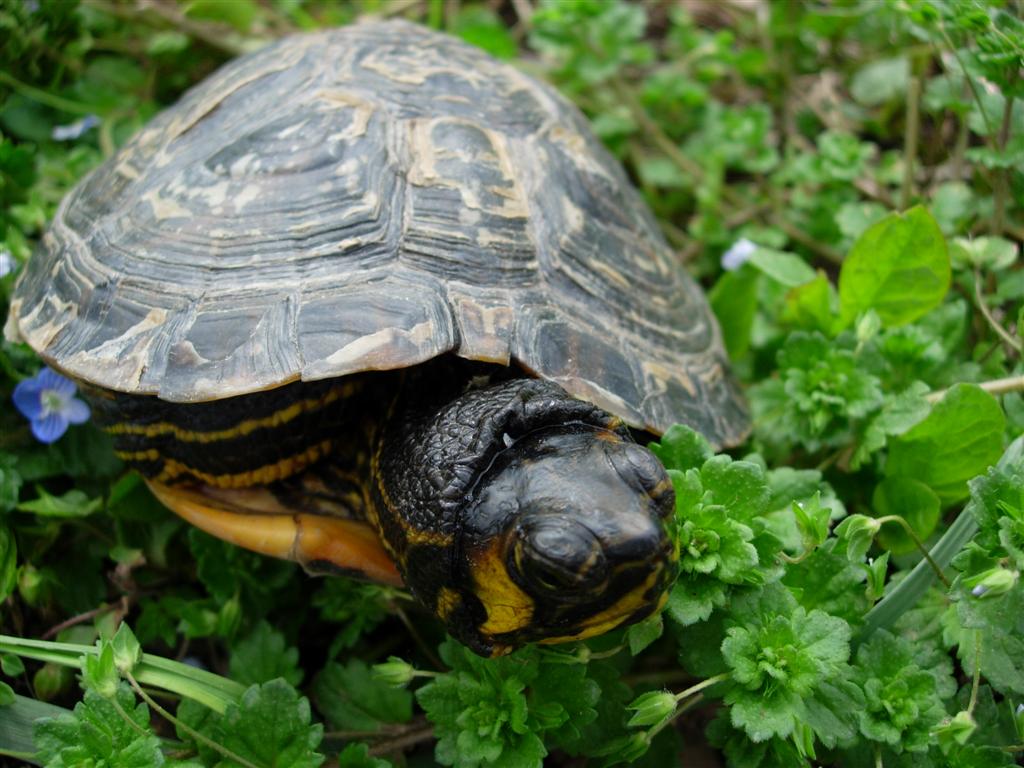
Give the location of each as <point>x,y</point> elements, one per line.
<point>1002,181</point>
<point>42,97</point>
<point>979,299</point>
<point>976,683</point>
<point>917,541</point>
<point>127,718</point>
<point>702,685</point>
<point>993,387</point>
<point>402,742</point>
<point>219,748</point>
<point>212,690</point>
<point>913,132</point>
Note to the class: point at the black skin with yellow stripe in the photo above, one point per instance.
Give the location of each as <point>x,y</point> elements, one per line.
<point>513,511</point>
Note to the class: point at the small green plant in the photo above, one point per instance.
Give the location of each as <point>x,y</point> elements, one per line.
<point>846,182</point>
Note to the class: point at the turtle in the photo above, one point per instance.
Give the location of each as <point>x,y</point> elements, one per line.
<point>377,302</point>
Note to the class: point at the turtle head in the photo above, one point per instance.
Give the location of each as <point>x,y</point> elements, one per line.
<point>566,538</point>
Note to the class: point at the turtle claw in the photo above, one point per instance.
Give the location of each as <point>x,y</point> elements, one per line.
<point>321,544</point>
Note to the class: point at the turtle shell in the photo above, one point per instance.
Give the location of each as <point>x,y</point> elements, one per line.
<point>369,198</point>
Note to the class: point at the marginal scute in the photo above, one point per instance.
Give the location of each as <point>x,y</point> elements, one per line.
<point>364,198</point>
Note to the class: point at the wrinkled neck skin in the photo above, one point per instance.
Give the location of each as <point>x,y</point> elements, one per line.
<point>519,514</point>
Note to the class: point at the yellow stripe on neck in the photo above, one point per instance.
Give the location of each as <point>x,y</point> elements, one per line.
<point>269,473</point>
<point>275,419</point>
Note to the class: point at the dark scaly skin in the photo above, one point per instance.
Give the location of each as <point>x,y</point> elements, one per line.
<point>514,511</point>
<point>517,513</point>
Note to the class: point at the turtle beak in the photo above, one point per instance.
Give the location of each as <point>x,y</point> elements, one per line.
<point>321,544</point>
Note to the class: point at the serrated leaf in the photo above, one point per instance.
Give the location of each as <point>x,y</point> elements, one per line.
<point>351,698</point>
<point>785,268</point>
<point>74,503</point>
<point>272,725</point>
<point>262,656</point>
<point>681,448</point>
<point>899,267</point>
<point>97,734</point>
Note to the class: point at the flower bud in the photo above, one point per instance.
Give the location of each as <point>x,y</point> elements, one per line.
<point>394,672</point>
<point>651,708</point>
<point>992,583</point>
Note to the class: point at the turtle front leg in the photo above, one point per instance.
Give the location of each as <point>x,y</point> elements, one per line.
<point>255,519</point>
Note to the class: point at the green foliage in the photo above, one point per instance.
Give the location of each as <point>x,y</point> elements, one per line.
<point>104,730</point>
<point>865,268</point>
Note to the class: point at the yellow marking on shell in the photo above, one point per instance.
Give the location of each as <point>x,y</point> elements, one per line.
<point>270,421</point>
<point>447,601</point>
<point>615,614</point>
<point>268,473</point>
<point>307,539</point>
<point>508,607</point>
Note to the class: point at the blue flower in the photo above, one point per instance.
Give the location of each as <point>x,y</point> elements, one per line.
<point>48,401</point>
<point>738,254</point>
<point>74,130</point>
<point>7,263</point>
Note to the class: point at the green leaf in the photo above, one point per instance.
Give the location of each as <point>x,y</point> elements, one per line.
<point>812,306</point>
<point>357,755</point>
<point>101,732</point>
<point>262,656</point>
<point>995,253</point>
<point>74,503</point>
<point>8,562</point>
<point>880,81</point>
<point>899,267</point>
<point>10,483</point>
<point>7,696</point>
<point>272,725</point>
<point>352,698</point>
<point>480,26</point>
<point>777,661</point>
<point>642,634</point>
<point>910,499</point>
<point>787,269</point>
<point>899,413</point>
<point>480,711</point>
<point>733,299</point>
<point>960,438</point>
<point>238,13</point>
<point>901,706</point>
<point>682,448</point>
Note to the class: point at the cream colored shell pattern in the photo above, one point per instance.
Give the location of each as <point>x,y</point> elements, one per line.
<point>369,198</point>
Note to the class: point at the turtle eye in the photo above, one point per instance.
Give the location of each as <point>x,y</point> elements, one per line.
<point>637,466</point>
<point>559,557</point>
